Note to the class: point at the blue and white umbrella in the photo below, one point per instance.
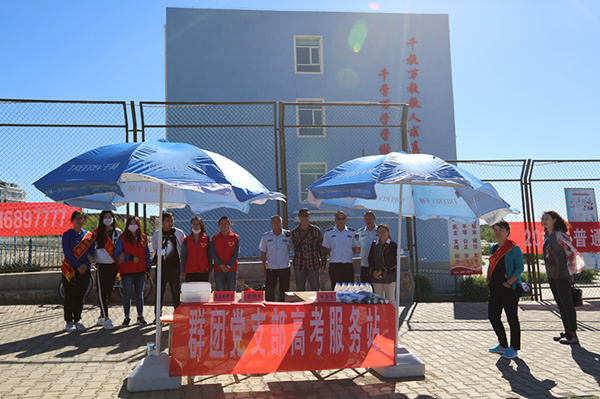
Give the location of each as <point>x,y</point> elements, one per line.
<point>169,175</point>
<point>428,186</point>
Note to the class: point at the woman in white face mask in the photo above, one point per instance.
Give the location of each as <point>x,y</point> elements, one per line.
<point>196,263</point>
<point>107,235</point>
<point>133,255</point>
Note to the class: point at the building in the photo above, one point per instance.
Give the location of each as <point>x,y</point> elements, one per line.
<point>215,55</point>
<point>11,192</point>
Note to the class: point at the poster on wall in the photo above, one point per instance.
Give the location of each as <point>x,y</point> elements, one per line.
<point>585,229</point>
<point>465,248</point>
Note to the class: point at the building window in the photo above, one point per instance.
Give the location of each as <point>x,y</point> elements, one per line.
<point>308,174</point>
<point>308,54</point>
<point>309,113</point>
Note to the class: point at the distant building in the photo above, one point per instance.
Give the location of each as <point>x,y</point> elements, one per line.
<point>216,55</point>
<point>11,192</point>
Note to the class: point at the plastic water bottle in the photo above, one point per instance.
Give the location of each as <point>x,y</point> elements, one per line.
<point>344,287</point>
<point>337,287</point>
<point>151,348</point>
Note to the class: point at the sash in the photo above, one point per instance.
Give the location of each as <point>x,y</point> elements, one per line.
<point>498,254</point>
<point>83,245</point>
<point>109,246</point>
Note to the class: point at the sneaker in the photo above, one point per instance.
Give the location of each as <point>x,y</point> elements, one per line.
<point>100,321</point>
<point>499,349</point>
<point>510,353</point>
<point>79,325</point>
<point>108,325</point>
<point>126,321</point>
<point>141,321</point>
<point>70,327</point>
<point>570,340</point>
<point>559,337</point>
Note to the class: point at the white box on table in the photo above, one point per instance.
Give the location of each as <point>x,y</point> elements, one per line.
<point>195,292</point>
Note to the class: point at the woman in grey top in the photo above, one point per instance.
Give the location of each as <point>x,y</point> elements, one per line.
<point>558,274</point>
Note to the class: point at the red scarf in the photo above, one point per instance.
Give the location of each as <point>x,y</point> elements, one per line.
<point>498,254</point>
<point>85,243</point>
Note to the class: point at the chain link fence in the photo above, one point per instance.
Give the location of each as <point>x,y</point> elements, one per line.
<point>283,145</point>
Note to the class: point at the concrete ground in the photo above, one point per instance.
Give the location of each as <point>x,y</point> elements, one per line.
<point>38,359</point>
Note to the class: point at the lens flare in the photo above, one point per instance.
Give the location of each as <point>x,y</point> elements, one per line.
<point>357,35</point>
<point>373,6</point>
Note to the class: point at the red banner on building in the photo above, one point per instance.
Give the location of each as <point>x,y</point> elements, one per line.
<point>23,219</point>
<point>584,235</point>
<point>254,338</point>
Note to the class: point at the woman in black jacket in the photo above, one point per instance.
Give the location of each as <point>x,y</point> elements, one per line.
<point>382,264</point>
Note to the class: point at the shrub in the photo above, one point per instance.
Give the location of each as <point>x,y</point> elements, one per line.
<point>424,289</point>
<point>542,278</point>
<point>586,276</point>
<point>19,266</point>
<point>474,289</point>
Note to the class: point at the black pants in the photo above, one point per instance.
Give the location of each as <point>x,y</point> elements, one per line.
<point>74,293</point>
<point>273,275</point>
<point>104,285</point>
<point>364,275</point>
<point>504,298</point>
<point>170,275</point>
<point>563,295</point>
<point>196,277</point>
<point>341,273</point>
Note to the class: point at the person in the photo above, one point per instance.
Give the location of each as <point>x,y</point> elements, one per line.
<point>504,273</point>
<point>225,250</point>
<point>172,242</point>
<point>107,234</point>
<point>196,263</point>
<point>133,255</point>
<point>367,234</point>
<point>78,248</point>
<point>341,243</point>
<point>382,260</point>
<point>275,246</point>
<point>309,254</point>
<point>557,250</point>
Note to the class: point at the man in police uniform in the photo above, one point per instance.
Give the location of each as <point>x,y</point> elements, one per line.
<point>341,243</point>
<point>275,246</point>
<point>367,235</point>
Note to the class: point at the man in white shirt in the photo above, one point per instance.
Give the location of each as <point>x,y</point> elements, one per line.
<point>341,243</point>
<point>367,235</point>
<point>275,246</point>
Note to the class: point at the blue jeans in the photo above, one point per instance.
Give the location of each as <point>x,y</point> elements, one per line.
<point>129,281</point>
<point>303,275</point>
<point>225,281</point>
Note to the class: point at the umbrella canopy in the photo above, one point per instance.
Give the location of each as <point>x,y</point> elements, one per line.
<point>117,174</point>
<point>428,186</point>
<point>431,188</point>
<point>170,175</point>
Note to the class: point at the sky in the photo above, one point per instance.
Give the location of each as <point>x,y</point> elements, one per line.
<point>524,71</point>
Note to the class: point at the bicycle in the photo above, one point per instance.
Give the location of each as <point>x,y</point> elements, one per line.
<point>118,285</point>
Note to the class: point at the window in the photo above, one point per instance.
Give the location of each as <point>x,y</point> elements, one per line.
<point>308,174</point>
<point>308,54</point>
<point>311,114</point>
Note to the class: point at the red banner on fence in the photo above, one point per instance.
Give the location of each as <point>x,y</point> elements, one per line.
<point>584,235</point>
<point>250,338</point>
<point>34,219</point>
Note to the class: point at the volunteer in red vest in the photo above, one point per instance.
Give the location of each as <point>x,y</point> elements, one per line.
<point>504,272</point>
<point>133,255</point>
<point>225,250</point>
<point>196,263</point>
<point>79,250</point>
<point>107,235</point>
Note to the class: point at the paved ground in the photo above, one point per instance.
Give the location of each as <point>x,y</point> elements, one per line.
<point>39,360</point>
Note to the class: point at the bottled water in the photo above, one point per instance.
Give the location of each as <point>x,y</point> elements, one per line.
<point>337,287</point>
<point>344,287</point>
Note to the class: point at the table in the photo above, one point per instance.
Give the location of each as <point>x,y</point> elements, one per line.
<point>247,338</point>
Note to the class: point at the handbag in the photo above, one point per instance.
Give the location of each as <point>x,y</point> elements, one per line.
<point>577,295</point>
<point>523,290</point>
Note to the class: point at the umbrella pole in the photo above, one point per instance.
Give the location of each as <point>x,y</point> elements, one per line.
<point>398,264</point>
<point>159,271</point>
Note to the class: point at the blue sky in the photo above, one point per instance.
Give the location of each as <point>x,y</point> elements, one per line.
<point>524,72</point>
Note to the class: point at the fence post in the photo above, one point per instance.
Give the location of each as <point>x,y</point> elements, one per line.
<point>30,251</point>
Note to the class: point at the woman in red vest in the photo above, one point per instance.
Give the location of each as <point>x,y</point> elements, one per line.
<point>133,255</point>
<point>195,256</point>
<point>224,252</point>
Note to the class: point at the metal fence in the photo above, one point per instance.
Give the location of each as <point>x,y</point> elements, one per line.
<point>269,139</point>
